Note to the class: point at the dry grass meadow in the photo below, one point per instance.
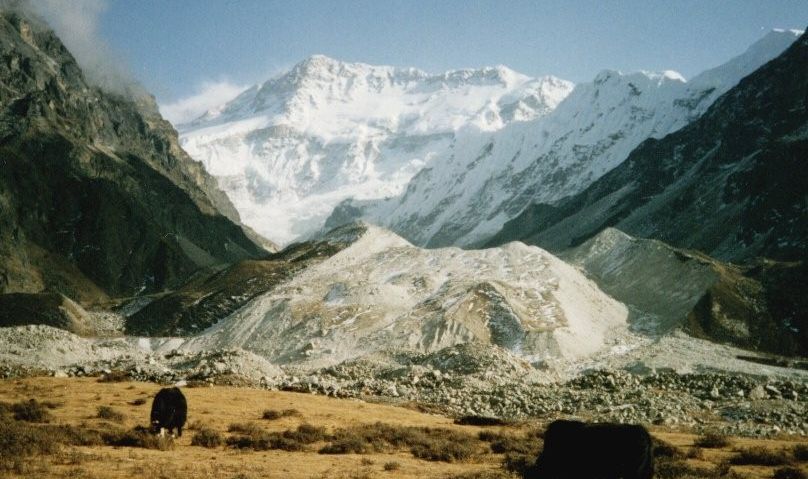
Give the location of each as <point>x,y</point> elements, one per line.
<point>83,428</point>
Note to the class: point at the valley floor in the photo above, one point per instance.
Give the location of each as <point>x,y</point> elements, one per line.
<point>76,401</point>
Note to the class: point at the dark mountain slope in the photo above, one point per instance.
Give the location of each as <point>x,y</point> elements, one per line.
<point>731,184</point>
<point>94,189</point>
<point>757,306</point>
<point>213,295</point>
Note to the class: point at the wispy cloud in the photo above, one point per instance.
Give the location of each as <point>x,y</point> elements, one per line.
<point>206,96</point>
<point>76,24</point>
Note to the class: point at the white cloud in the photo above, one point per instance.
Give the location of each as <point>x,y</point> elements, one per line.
<point>76,24</point>
<point>208,95</point>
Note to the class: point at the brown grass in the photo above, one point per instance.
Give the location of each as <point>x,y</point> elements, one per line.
<point>83,441</point>
<point>430,444</point>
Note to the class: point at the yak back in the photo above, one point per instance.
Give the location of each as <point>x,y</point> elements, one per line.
<point>573,449</point>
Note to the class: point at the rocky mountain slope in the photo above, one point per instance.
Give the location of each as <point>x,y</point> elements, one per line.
<point>381,293</point>
<point>289,150</point>
<point>756,307</point>
<point>96,196</point>
<point>728,184</point>
<point>488,178</point>
<point>215,293</point>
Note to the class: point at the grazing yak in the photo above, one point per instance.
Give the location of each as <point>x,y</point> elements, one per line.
<point>575,450</point>
<point>168,412</point>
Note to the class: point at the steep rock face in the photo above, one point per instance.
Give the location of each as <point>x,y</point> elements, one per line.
<point>50,309</point>
<point>381,293</point>
<point>667,288</point>
<point>729,184</point>
<point>212,295</point>
<point>289,150</point>
<point>488,178</point>
<point>93,186</point>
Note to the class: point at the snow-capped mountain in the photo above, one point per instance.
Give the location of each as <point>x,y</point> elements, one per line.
<point>289,150</point>
<point>486,178</point>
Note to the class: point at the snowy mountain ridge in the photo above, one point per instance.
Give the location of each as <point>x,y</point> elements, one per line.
<point>488,178</point>
<point>289,150</point>
<point>440,159</point>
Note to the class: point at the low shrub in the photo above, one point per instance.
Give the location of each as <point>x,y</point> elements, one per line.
<point>207,437</point>
<point>289,440</point>
<point>668,468</point>
<point>347,445</point>
<point>473,420</point>
<point>116,376</point>
<point>74,436</point>
<point>110,414</point>
<point>272,414</point>
<point>391,466</point>
<point>138,437</point>
<point>32,411</point>
<point>665,449</point>
<point>446,450</point>
<point>759,456</point>
<point>138,402</point>
<point>19,439</point>
<point>493,474</point>
<point>245,428</point>
<point>424,443</point>
<point>711,440</point>
<point>789,472</point>
<point>519,464</point>
<point>527,443</point>
<point>800,452</point>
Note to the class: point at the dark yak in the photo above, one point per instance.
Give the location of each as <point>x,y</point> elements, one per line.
<point>169,410</point>
<point>575,450</point>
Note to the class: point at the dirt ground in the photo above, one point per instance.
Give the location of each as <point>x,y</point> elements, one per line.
<point>217,407</point>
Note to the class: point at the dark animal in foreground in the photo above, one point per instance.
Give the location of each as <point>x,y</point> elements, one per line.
<point>575,450</point>
<point>169,411</point>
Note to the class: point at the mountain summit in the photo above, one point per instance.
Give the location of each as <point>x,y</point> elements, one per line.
<point>289,150</point>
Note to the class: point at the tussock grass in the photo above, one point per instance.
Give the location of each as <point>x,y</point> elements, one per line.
<point>32,410</point>
<point>110,414</point>
<point>670,468</point>
<point>759,456</point>
<point>207,437</point>
<point>116,376</point>
<point>494,474</point>
<point>424,443</point>
<point>19,439</point>
<point>138,437</point>
<point>253,437</point>
<point>789,472</point>
<point>482,421</point>
<point>272,414</point>
<point>800,452</point>
<point>712,440</point>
